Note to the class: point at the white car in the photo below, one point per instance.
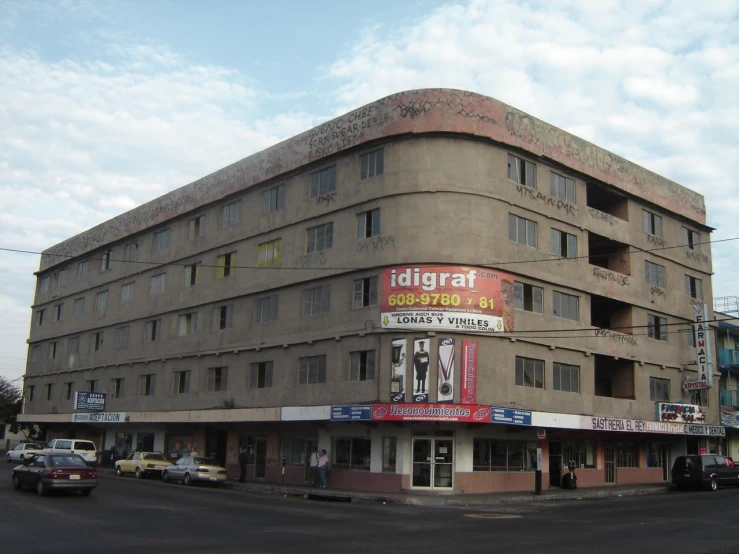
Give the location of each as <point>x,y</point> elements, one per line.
<point>23,451</point>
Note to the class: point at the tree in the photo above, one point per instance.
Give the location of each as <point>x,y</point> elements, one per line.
<point>10,401</point>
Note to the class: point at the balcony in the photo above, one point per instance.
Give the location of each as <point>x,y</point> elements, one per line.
<point>730,398</point>
<point>728,359</point>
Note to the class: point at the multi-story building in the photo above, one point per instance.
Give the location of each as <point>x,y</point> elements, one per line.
<point>435,288</point>
<point>726,310</point>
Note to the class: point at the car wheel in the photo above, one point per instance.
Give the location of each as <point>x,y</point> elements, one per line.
<point>138,473</point>
<point>187,480</point>
<point>118,471</point>
<point>17,483</point>
<point>40,490</point>
<point>86,492</point>
<point>714,484</point>
<point>165,477</point>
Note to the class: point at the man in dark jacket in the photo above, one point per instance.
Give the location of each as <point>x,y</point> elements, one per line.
<point>242,463</point>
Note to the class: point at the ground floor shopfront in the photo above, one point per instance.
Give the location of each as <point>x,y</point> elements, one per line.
<point>372,451</point>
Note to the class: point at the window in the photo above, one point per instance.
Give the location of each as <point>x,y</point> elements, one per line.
<point>96,341</point>
<point>68,390</point>
<point>62,277</point>
<point>269,253</point>
<point>694,287</point>
<point>691,239</point>
<point>102,302</point>
<point>121,337</point>
<point>195,227</point>
<point>261,375</point>
<point>82,270</point>
<point>156,285</point>
<point>389,449</point>
<point>79,307</point>
<point>146,385</point>
<point>564,244</point>
<point>53,349</point>
<point>528,297</point>
<point>91,385</point>
<point>522,230</point>
<point>49,391</point>
<point>521,171</point>
<point>312,370</point>
<point>566,377</point>
<point>116,388</point>
<point>651,223</point>
<point>35,353</point>
<point>690,333</point>
<point>371,164</point>
<point>322,182</point>
<point>43,284</point>
<point>225,263</point>
<point>29,393</point>
<point>153,330</point>
<point>351,453</point>
<point>106,260</point>
<point>181,382</point>
<point>316,300</point>
<point>368,224</point>
<point>659,389</point>
<point>566,306</point>
<point>127,290</point>
<point>699,397</point>
<point>657,327</point>
<point>362,366</point>
<point>187,324</point>
<point>161,240</point>
<point>58,312</point>
<point>655,274</point>
<point>73,346</point>
<point>365,292</point>
<point>273,199</point>
<point>529,373</point>
<point>265,309</point>
<point>192,274</point>
<point>320,238</point>
<point>40,317</point>
<point>561,187</point>
<point>230,214</point>
<point>221,318</point>
<point>581,451</point>
<point>502,455</point>
<point>217,379</point>
<point>129,251</point>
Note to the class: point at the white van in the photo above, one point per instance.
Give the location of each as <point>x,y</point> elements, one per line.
<point>84,448</point>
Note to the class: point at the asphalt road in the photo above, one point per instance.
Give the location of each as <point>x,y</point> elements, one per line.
<point>127,515</point>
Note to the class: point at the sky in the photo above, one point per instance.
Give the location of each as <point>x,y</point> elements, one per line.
<point>105,105</point>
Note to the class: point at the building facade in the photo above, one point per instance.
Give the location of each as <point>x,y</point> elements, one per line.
<point>435,288</point>
<point>727,343</point>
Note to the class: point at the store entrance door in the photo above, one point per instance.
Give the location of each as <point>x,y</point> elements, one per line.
<point>433,463</point>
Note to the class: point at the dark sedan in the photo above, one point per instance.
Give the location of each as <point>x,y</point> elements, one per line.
<point>47,472</point>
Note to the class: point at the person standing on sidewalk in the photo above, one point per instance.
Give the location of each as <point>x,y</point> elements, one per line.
<point>323,467</point>
<point>313,469</point>
<point>242,463</point>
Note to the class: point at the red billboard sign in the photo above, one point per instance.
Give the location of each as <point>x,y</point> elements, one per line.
<point>469,372</point>
<point>431,412</point>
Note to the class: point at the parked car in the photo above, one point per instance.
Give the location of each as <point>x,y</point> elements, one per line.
<point>193,469</point>
<point>23,451</point>
<point>84,448</point>
<point>142,464</point>
<point>706,470</point>
<point>47,472</point>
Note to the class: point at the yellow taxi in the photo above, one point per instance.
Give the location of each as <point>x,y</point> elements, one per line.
<point>142,464</point>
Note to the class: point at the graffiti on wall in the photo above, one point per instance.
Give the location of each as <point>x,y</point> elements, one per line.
<point>611,276</point>
<point>569,209</point>
<point>620,337</point>
<point>375,244</point>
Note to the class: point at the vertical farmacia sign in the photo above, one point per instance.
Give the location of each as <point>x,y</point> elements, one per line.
<point>454,298</point>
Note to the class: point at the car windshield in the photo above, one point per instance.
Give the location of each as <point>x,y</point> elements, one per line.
<point>204,462</point>
<point>84,446</point>
<point>33,446</point>
<point>70,460</point>
<point>155,457</point>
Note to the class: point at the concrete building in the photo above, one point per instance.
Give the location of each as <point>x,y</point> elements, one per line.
<point>727,313</point>
<point>431,287</point>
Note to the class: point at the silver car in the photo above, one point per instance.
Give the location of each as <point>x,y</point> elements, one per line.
<point>193,469</point>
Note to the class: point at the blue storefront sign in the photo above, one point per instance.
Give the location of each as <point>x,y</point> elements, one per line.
<point>351,413</point>
<point>94,401</point>
<point>510,416</point>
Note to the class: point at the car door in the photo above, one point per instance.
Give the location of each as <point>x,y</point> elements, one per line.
<point>127,464</point>
<point>27,472</point>
<point>724,476</point>
<point>181,466</point>
<point>15,454</point>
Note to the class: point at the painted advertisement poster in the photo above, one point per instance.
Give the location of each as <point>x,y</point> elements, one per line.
<point>179,446</point>
<point>430,412</point>
<point>469,372</point>
<point>397,375</point>
<point>453,298</point>
<point>445,390</point>
<point>421,362</point>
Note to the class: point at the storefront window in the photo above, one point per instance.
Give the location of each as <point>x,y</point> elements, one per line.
<point>627,455</point>
<point>499,455</point>
<point>388,454</point>
<point>352,453</point>
<point>582,452</point>
<point>293,450</point>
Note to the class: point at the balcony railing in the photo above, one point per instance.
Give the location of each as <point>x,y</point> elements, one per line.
<point>728,358</point>
<point>730,398</point>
